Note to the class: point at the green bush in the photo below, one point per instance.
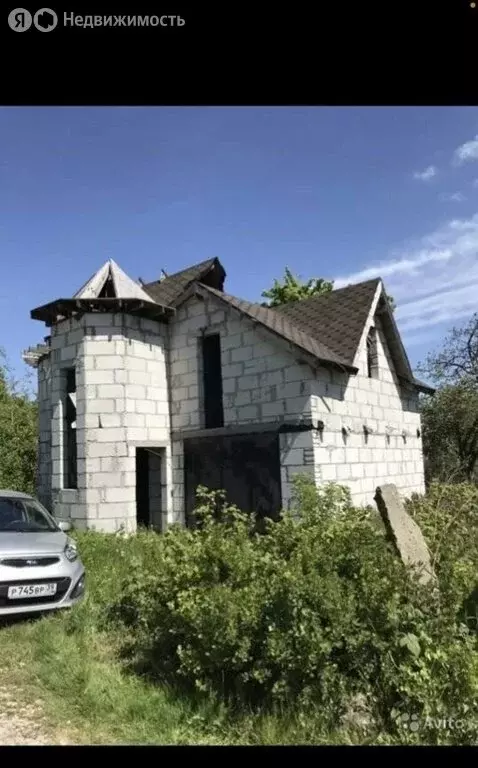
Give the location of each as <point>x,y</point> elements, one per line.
<point>315,614</point>
<point>18,434</point>
<point>448,517</point>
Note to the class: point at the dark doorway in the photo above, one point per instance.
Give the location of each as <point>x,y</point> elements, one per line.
<point>151,488</point>
<point>142,487</point>
<point>247,467</point>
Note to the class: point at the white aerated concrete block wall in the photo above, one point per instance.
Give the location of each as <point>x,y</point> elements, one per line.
<point>125,405</point>
<point>262,382</point>
<point>392,450</point>
<point>67,350</point>
<point>297,456</point>
<point>44,469</point>
<point>121,402</point>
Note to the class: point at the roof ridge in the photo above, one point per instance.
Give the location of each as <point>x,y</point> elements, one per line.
<point>172,287</point>
<point>200,264</point>
<point>361,282</point>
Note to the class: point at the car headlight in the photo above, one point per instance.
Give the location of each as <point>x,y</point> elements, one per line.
<point>71,552</point>
<point>79,588</point>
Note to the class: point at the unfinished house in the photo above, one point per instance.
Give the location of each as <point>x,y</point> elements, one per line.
<point>147,390</point>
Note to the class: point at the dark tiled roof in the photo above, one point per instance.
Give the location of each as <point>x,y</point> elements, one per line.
<point>426,388</point>
<point>336,318</point>
<point>168,290</point>
<point>276,322</point>
<point>329,327</point>
<point>395,344</point>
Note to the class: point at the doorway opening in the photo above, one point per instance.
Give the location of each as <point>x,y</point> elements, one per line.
<point>150,487</point>
<point>246,466</point>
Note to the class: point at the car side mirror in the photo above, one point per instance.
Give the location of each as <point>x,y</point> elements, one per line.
<point>64,525</point>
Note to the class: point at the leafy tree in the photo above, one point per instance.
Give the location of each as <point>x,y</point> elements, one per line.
<point>18,433</point>
<point>292,288</point>
<point>450,419</point>
<point>458,359</point>
<point>450,432</point>
<point>391,302</point>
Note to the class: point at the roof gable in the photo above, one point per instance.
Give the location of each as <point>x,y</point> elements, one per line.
<point>170,289</point>
<point>396,348</point>
<point>110,281</point>
<point>393,339</point>
<point>336,318</point>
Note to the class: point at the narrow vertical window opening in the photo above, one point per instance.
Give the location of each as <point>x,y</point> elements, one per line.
<point>372,354</point>
<point>70,447</point>
<point>212,381</point>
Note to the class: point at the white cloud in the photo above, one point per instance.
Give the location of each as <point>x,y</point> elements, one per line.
<point>455,197</point>
<point>408,265</point>
<point>438,308</point>
<point>412,339</point>
<point>434,282</point>
<point>475,183</point>
<point>467,152</point>
<point>427,174</point>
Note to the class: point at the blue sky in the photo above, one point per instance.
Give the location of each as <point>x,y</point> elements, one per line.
<point>342,193</point>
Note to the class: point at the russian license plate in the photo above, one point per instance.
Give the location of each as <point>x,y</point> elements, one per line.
<point>31,590</point>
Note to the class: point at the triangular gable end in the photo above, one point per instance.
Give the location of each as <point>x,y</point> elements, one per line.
<point>394,340</point>
<point>111,282</point>
<point>380,308</point>
<point>92,288</point>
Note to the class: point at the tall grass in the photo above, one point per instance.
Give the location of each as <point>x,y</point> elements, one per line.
<point>71,659</point>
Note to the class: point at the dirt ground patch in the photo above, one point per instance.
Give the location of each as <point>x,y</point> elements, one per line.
<point>23,724</point>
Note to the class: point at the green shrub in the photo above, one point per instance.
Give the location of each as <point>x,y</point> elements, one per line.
<point>448,517</point>
<point>18,433</point>
<point>311,615</point>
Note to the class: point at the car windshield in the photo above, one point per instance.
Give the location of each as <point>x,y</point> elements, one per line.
<point>24,516</point>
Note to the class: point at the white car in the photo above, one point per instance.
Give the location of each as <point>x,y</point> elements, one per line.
<point>40,569</point>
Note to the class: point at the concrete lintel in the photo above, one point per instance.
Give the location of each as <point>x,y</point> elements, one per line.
<point>243,429</point>
<point>151,444</point>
